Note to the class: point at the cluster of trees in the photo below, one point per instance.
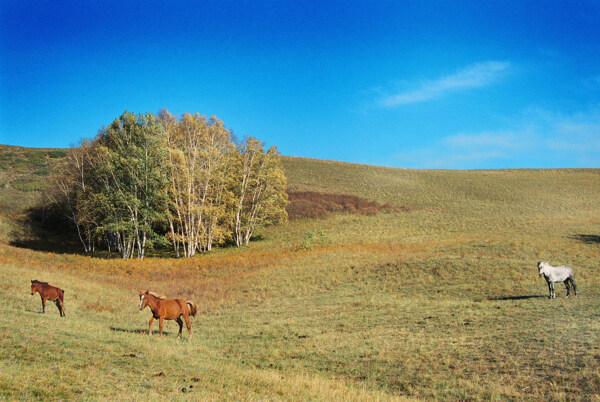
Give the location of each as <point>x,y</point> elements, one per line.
<point>150,179</point>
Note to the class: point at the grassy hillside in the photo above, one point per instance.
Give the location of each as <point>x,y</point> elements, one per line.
<point>439,299</point>
<point>24,173</point>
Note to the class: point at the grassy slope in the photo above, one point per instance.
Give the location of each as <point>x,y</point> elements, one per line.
<point>24,172</point>
<point>442,301</point>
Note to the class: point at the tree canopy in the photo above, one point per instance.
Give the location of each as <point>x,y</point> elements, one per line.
<point>146,179</point>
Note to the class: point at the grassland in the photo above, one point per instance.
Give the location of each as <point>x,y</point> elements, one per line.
<point>438,300</point>
<point>24,173</point>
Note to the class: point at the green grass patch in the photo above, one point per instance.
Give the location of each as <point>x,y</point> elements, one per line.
<point>29,184</point>
<point>57,154</point>
<point>36,158</point>
<point>42,172</point>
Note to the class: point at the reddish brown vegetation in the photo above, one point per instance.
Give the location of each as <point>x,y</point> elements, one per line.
<point>311,204</point>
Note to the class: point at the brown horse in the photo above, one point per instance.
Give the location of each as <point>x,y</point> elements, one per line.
<point>48,292</point>
<point>163,309</point>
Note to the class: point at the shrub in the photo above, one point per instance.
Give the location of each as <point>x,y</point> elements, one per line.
<point>42,172</point>
<point>57,154</point>
<point>307,242</point>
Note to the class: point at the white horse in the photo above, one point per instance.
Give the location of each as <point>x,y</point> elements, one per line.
<point>557,274</point>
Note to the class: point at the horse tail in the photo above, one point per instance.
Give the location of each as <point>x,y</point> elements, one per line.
<point>192,308</point>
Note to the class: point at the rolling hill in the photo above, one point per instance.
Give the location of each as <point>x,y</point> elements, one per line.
<point>436,297</point>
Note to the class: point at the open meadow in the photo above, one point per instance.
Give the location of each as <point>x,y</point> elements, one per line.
<point>437,297</point>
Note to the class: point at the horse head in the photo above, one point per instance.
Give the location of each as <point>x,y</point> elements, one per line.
<point>541,265</point>
<point>144,299</point>
<point>33,287</point>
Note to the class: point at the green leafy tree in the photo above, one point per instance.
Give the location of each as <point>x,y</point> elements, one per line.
<point>260,190</point>
<point>145,179</point>
<point>130,181</point>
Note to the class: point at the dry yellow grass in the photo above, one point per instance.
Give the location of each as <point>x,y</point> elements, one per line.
<point>439,302</point>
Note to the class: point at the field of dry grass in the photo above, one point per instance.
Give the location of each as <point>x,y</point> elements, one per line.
<point>435,298</point>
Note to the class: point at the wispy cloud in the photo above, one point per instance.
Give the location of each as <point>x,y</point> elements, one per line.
<point>538,138</point>
<point>474,76</point>
<point>504,140</point>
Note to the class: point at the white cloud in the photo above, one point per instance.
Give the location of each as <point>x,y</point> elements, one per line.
<point>507,140</point>
<point>474,76</point>
<point>538,138</point>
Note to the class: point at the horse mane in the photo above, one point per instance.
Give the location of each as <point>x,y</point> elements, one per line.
<point>41,283</point>
<point>157,295</point>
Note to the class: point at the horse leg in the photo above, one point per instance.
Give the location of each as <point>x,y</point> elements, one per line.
<point>160,325</point>
<point>150,326</point>
<point>573,286</point>
<point>180,325</point>
<point>549,290</point>
<point>189,326</point>
<point>61,300</point>
<point>57,302</point>
<point>568,288</point>
<point>43,305</point>
<point>552,290</point>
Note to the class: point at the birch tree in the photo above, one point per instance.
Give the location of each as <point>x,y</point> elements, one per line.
<point>260,190</point>
<point>143,179</point>
<point>70,193</point>
<point>130,181</point>
<point>200,154</point>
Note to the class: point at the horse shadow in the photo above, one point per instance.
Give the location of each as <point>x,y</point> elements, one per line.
<point>586,238</point>
<point>40,312</point>
<point>34,310</point>
<point>136,331</point>
<point>512,298</point>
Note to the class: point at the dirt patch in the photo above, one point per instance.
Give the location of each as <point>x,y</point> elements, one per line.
<point>311,204</point>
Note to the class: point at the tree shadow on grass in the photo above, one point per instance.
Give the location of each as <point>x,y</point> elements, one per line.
<point>43,228</point>
<point>508,298</point>
<point>586,238</point>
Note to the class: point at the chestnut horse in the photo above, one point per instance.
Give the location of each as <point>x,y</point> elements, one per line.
<point>163,309</point>
<point>48,292</point>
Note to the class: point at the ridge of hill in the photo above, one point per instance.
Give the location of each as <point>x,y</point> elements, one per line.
<point>25,172</point>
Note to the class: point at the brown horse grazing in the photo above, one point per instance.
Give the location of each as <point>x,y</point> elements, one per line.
<point>163,309</point>
<point>51,293</point>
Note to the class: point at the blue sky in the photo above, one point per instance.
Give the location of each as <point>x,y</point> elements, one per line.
<point>415,84</point>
